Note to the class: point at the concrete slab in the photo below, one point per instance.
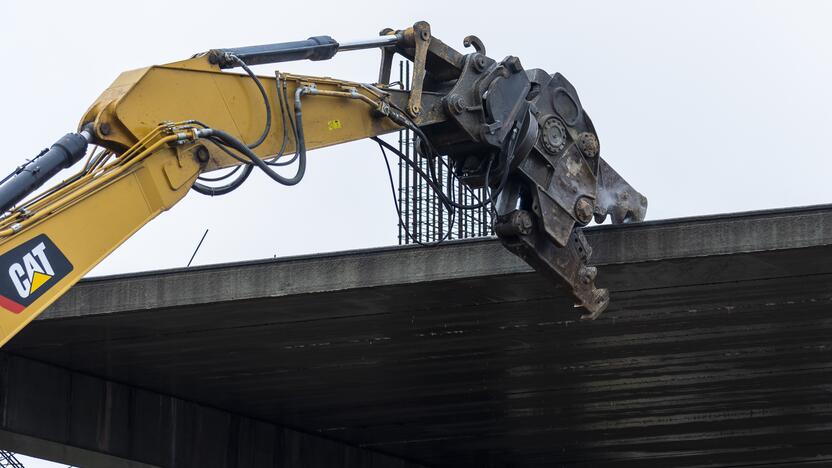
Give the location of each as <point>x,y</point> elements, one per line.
<point>716,350</point>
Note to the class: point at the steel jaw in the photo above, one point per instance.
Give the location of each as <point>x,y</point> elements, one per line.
<point>559,186</point>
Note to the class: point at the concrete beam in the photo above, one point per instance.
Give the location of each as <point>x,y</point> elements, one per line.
<point>715,350</point>
<point>61,453</point>
<point>658,241</point>
<point>68,417</point>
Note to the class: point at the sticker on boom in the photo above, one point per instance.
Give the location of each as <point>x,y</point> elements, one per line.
<point>29,270</point>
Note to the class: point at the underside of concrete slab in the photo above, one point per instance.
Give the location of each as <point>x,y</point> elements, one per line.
<point>716,349</point>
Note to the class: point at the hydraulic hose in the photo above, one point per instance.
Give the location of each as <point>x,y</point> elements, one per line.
<point>300,140</point>
<point>224,189</point>
<point>228,140</point>
<point>236,183</point>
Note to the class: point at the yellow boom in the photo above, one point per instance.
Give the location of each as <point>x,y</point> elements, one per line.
<point>158,128</point>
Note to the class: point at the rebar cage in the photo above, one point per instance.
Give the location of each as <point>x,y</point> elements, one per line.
<point>422,214</point>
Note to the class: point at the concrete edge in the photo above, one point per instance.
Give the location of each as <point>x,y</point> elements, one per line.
<point>644,242</point>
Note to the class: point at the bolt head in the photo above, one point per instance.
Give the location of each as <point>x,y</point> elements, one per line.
<point>478,61</point>
<point>383,109</point>
<point>523,222</point>
<point>456,104</point>
<point>588,274</point>
<point>583,209</point>
<point>553,135</point>
<point>588,144</point>
<point>513,64</point>
<point>202,155</point>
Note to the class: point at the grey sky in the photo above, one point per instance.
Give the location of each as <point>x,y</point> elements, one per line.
<point>703,106</point>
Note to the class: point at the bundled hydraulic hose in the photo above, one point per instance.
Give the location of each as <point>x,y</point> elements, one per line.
<point>228,140</point>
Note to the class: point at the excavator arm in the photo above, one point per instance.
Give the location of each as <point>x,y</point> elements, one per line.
<point>521,133</point>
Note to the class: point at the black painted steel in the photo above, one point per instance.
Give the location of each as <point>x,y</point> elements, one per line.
<point>314,48</point>
<point>28,177</point>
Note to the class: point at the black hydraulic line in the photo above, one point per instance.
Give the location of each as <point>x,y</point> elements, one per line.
<point>224,189</point>
<point>212,191</point>
<point>233,143</point>
<point>286,116</point>
<point>300,140</point>
<point>248,157</point>
<point>412,164</point>
<point>222,177</point>
<point>504,155</point>
<point>400,117</point>
<point>283,117</point>
<point>265,96</point>
<point>236,183</point>
<point>415,239</point>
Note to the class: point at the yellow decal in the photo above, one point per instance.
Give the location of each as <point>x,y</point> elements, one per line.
<point>333,124</point>
<point>37,280</point>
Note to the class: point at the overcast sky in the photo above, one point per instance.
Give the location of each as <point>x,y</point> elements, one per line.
<point>703,106</point>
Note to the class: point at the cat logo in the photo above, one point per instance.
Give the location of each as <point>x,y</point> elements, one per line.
<point>34,272</point>
<point>31,268</point>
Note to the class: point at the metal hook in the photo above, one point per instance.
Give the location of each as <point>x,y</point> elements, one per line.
<point>476,42</point>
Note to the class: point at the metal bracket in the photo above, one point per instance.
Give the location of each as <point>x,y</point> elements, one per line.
<point>617,198</point>
<point>568,265</point>
<point>475,41</point>
<point>421,41</point>
<point>387,54</point>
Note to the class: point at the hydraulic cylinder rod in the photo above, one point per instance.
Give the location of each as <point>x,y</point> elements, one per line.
<point>28,177</point>
<point>314,48</point>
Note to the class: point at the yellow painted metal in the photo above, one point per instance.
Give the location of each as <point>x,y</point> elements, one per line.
<point>155,161</point>
<point>194,89</point>
<point>93,223</point>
